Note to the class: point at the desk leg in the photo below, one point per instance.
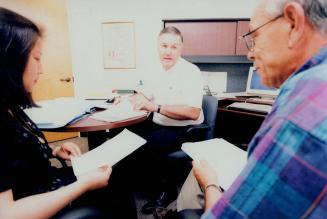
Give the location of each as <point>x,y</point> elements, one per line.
<point>96,138</point>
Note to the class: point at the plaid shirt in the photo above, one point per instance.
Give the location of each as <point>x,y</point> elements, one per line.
<point>286,172</point>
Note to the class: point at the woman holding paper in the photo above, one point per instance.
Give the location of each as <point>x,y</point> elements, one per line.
<point>29,186</point>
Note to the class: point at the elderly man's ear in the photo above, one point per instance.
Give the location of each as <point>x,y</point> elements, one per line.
<point>294,15</point>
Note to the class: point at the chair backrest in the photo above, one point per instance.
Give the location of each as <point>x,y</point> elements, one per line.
<point>204,131</point>
<point>209,107</point>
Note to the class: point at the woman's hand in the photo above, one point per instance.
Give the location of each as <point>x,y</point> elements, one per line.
<point>140,102</point>
<point>204,173</point>
<point>95,179</point>
<point>66,150</point>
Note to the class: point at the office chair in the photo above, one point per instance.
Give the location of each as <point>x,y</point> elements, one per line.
<point>205,130</point>
<point>178,164</point>
<point>83,213</point>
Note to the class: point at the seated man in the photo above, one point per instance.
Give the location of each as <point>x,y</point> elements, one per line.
<point>175,99</point>
<point>286,172</point>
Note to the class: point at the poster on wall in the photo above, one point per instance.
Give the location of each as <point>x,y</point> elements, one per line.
<point>118,45</point>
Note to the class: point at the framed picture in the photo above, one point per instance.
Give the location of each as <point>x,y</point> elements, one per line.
<point>118,45</point>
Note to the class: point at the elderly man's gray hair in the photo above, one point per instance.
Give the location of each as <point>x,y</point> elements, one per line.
<point>315,11</point>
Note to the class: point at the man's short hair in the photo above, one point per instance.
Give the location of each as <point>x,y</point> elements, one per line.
<point>171,30</point>
<point>315,11</point>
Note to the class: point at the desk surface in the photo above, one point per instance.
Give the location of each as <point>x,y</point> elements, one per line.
<point>89,125</point>
<point>222,107</point>
<point>237,127</point>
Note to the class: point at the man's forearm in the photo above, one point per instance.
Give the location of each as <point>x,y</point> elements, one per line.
<point>180,112</point>
<point>212,195</point>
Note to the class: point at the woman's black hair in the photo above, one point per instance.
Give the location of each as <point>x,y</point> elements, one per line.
<point>18,36</point>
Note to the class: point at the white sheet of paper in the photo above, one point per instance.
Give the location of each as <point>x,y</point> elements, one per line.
<point>109,152</point>
<point>217,81</point>
<point>227,159</point>
<point>122,111</point>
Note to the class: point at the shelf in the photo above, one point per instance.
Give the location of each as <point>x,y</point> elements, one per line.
<point>218,59</point>
<point>205,19</point>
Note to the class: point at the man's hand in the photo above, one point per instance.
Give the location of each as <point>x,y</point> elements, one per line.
<point>207,178</point>
<point>66,150</point>
<point>204,173</point>
<point>140,102</point>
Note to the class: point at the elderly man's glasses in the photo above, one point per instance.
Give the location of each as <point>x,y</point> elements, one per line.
<point>249,41</point>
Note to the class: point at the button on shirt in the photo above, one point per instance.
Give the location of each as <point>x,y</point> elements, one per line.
<point>180,85</point>
<point>286,173</point>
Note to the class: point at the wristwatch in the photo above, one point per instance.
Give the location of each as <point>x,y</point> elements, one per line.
<point>159,107</point>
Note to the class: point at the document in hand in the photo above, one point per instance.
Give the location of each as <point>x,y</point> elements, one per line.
<point>227,159</point>
<point>110,152</point>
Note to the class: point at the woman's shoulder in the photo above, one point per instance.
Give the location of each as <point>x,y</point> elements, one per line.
<point>8,122</point>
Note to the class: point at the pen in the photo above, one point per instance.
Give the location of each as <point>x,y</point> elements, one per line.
<point>124,91</point>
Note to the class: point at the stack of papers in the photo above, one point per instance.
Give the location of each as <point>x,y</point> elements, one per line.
<point>109,153</point>
<point>59,112</point>
<point>227,159</point>
<point>122,111</point>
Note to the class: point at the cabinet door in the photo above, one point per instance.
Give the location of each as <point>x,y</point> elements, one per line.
<point>242,28</point>
<point>207,38</point>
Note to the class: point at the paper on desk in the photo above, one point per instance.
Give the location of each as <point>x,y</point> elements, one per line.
<point>119,112</point>
<point>216,81</point>
<point>110,152</point>
<point>58,112</point>
<point>227,159</point>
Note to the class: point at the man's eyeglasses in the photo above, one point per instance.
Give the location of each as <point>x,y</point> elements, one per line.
<point>249,41</point>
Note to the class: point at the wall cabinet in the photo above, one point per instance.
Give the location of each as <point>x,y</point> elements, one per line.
<point>212,37</point>
<point>242,28</point>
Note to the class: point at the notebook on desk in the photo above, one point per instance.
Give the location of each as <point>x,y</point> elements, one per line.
<point>60,112</point>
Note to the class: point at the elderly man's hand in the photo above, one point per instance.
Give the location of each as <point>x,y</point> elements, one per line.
<point>204,173</point>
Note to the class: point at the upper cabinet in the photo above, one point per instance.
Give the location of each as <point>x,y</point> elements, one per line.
<point>242,28</point>
<point>212,37</point>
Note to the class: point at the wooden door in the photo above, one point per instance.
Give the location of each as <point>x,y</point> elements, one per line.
<point>56,79</point>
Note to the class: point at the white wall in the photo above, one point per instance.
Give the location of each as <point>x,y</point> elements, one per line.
<point>85,18</point>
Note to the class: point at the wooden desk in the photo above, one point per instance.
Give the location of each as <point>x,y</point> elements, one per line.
<point>237,127</point>
<point>95,129</point>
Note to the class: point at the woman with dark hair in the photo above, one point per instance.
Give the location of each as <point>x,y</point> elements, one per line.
<point>29,186</point>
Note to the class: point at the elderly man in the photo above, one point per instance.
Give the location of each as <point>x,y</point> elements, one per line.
<point>175,98</point>
<point>286,172</point>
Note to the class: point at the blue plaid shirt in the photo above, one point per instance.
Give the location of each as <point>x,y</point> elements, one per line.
<point>286,172</point>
